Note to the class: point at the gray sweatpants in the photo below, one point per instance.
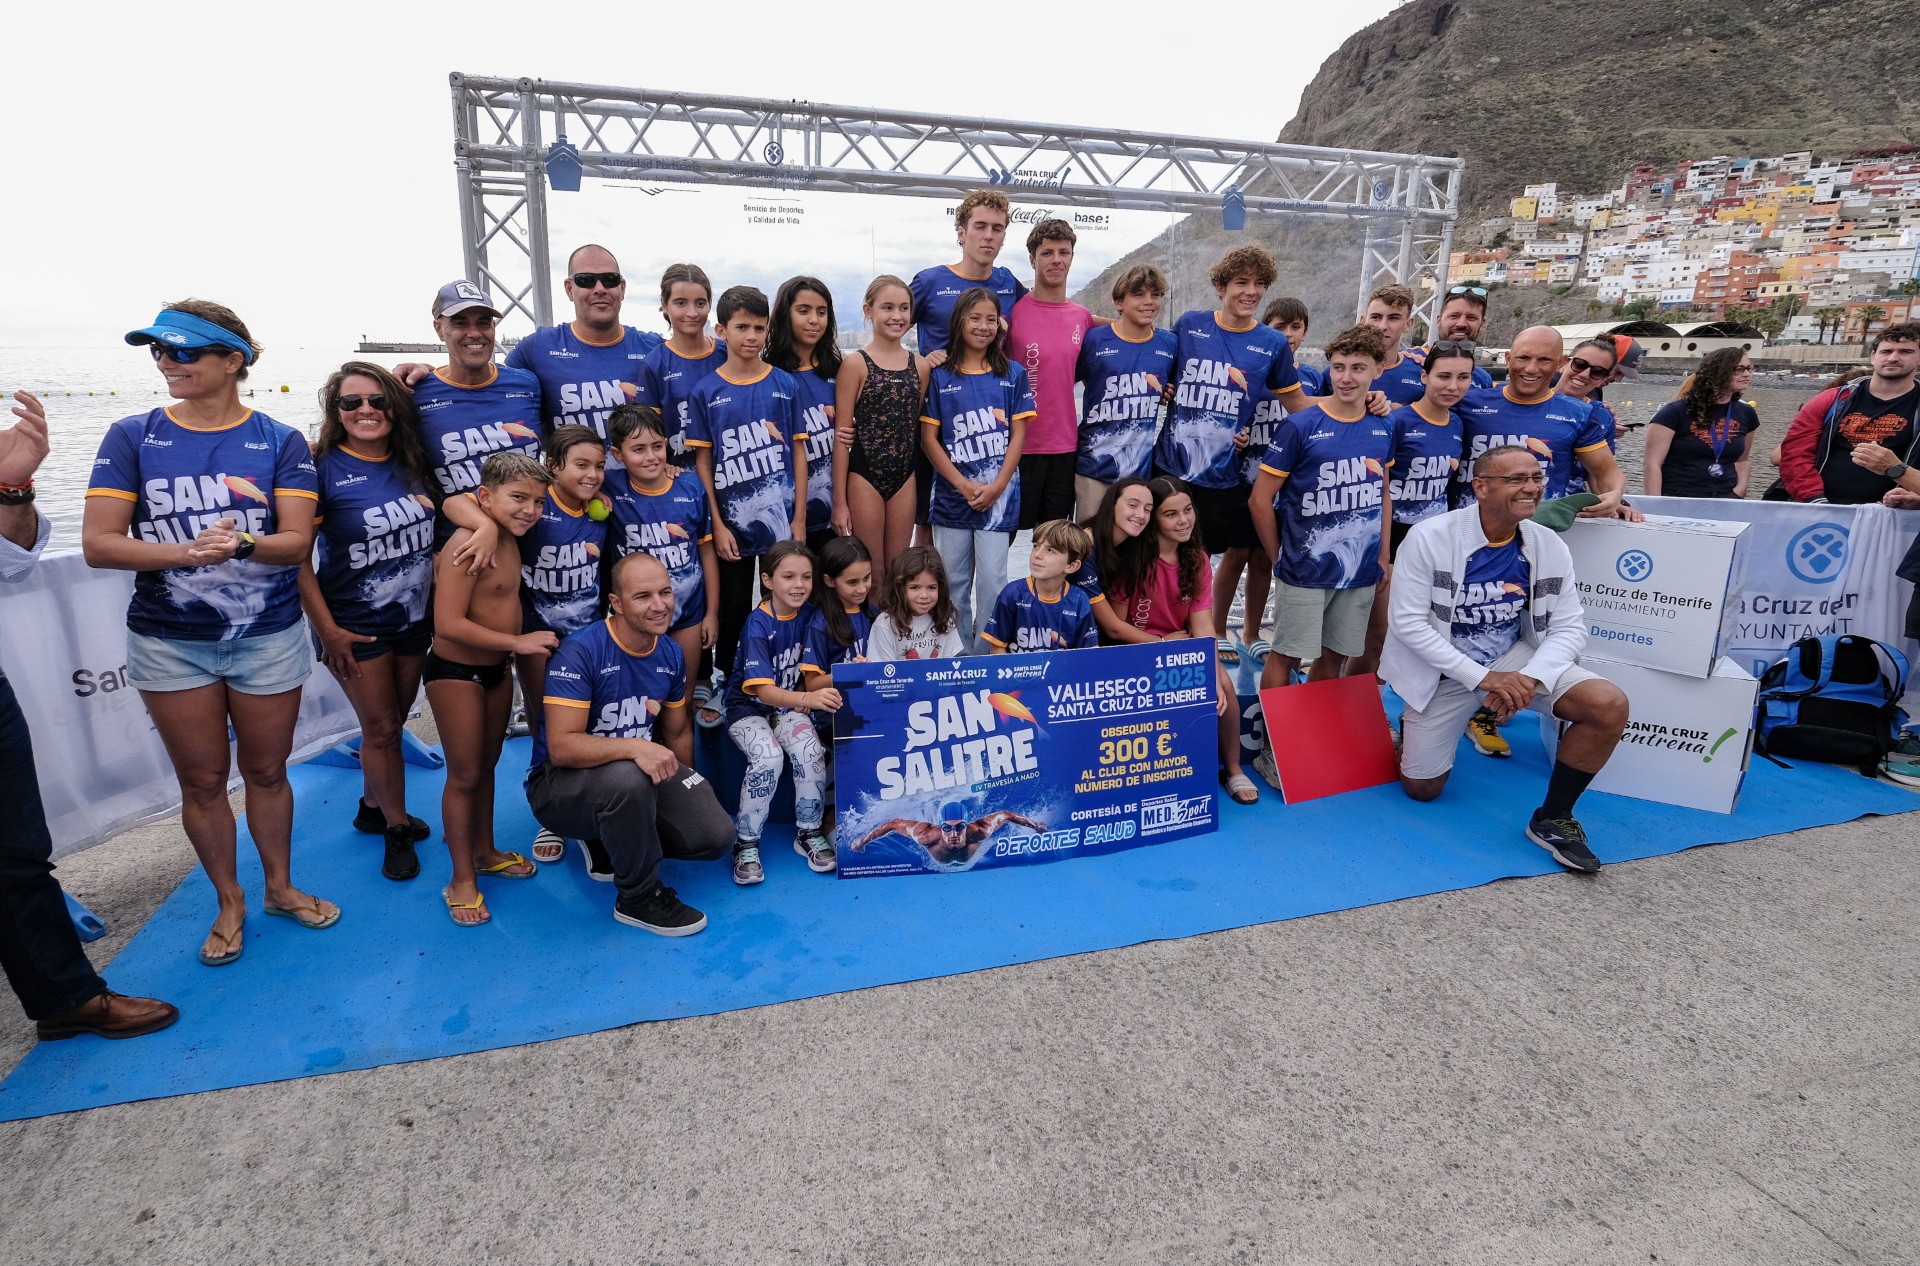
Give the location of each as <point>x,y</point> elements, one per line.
<point>639,821</point>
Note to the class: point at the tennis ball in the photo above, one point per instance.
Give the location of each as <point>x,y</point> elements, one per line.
<point>598,510</point>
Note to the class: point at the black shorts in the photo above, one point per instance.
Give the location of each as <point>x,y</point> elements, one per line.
<point>485,676</point>
<point>1396,533</point>
<point>1222,518</point>
<point>412,640</point>
<point>1046,488</point>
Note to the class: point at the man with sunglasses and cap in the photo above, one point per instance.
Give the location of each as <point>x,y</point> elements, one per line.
<point>589,366</point>
<point>39,949</point>
<point>1485,611</point>
<point>1462,317</point>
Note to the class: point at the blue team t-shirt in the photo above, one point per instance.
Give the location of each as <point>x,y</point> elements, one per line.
<point>1555,430</point>
<point>773,652</point>
<point>1022,620</point>
<point>823,652</point>
<point>750,428</point>
<point>1329,506</point>
<point>935,290</point>
<point>560,568</point>
<point>463,426</point>
<point>621,686</point>
<point>813,399</point>
<point>667,380</point>
<point>1610,427</point>
<point>1086,578</point>
<point>582,382</point>
<point>373,547</point>
<point>1403,382</point>
<point>1426,461</point>
<point>1120,406</point>
<point>1313,382</point>
<point>671,523</point>
<point>181,480</point>
<point>1493,598</point>
<point>1226,381</point>
<point>975,413</point>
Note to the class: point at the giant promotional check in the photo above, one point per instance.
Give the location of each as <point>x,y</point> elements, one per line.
<point>945,765</point>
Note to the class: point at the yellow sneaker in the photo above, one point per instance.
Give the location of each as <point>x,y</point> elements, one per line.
<point>1484,730</point>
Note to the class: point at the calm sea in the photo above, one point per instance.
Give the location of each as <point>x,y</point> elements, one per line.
<point>88,388</point>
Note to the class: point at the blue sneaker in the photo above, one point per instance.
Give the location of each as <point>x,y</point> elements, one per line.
<point>1565,840</point>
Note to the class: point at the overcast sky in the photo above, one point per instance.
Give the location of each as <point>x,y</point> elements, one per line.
<point>295,162</point>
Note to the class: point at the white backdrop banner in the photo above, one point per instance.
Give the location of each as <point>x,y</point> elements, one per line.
<point>1812,570</point>
<point>63,635</point>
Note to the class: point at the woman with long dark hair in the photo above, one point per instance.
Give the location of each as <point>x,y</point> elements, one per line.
<point>804,340</point>
<point>211,504</point>
<point>365,589</point>
<point>1697,445</point>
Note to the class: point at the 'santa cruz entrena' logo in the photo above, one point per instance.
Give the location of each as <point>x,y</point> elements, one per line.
<point>1634,566</point>
<point>1818,554</point>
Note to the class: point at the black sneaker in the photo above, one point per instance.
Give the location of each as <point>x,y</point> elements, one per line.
<point>371,821</point>
<point>401,862</point>
<point>660,912</point>
<point>1565,840</point>
<point>818,850</point>
<point>599,864</point>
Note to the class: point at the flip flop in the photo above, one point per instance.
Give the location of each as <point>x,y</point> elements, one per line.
<point>479,903</point>
<point>299,915</point>
<point>1229,651</point>
<point>1259,649</point>
<point>236,944</point>
<point>548,848</point>
<point>504,870</point>
<point>1241,788</point>
<point>706,713</point>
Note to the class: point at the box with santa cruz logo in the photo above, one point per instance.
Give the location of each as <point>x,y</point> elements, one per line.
<point>1661,594</point>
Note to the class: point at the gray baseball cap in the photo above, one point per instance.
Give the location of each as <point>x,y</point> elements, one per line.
<point>458,296</point>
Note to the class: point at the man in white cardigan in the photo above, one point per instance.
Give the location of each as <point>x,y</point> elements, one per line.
<point>1484,611</point>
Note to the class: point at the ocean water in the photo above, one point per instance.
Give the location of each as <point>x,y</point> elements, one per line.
<point>86,389</point>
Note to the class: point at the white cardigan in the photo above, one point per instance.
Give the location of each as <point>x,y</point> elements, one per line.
<point>1427,578</point>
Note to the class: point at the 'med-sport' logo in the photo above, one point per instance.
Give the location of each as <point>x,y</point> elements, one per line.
<point>1818,554</point>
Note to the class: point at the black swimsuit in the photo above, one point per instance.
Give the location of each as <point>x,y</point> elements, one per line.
<point>886,425</point>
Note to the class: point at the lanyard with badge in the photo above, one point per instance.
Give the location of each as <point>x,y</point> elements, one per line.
<point>1718,438</point>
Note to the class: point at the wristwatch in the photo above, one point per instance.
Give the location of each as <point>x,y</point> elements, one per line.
<point>245,548</point>
<point>1896,472</point>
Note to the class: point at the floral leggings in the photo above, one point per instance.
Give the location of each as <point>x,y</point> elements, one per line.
<point>762,739</point>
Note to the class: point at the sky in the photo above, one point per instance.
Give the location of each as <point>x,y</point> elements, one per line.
<point>295,162</point>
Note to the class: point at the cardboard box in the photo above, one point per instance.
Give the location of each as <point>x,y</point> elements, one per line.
<point>1661,594</point>
<point>1688,741</point>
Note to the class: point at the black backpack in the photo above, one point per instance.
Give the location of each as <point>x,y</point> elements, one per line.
<point>1834,699</point>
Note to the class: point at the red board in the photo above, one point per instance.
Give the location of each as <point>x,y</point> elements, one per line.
<point>1329,737</point>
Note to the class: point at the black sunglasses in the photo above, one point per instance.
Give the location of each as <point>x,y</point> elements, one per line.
<point>585,281</point>
<point>1452,347</point>
<point>186,355</point>
<point>1581,365</point>
<point>1468,290</point>
<point>350,403</point>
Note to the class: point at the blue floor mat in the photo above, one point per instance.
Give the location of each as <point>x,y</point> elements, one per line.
<point>396,981</point>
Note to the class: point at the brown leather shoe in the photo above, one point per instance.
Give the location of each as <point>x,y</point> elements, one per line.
<point>111,1015</point>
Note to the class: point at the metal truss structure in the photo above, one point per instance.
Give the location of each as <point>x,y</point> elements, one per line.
<point>515,137</point>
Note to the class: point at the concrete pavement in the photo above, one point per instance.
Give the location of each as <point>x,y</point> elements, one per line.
<point>1704,1058</point>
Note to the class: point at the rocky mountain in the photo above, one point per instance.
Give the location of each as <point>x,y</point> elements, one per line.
<point>1575,92</point>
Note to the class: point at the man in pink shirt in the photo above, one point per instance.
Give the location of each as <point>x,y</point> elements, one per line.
<point>1043,337</point>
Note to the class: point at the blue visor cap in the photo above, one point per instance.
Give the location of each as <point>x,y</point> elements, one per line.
<point>953,813</point>
<point>173,328</point>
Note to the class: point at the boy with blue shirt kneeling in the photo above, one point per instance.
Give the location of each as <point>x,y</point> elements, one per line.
<point>1042,612</point>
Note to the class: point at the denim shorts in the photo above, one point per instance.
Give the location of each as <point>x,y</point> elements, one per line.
<point>270,664</point>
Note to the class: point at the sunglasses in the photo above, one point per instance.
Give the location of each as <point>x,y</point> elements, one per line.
<point>586,281</point>
<point>185,355</point>
<point>1468,290</point>
<point>1452,347</point>
<point>349,404</point>
<point>1580,365</point>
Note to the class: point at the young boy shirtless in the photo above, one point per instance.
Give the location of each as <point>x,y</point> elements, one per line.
<point>476,626</point>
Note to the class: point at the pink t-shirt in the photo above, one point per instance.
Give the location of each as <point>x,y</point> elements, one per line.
<point>1044,339</point>
<point>1163,609</point>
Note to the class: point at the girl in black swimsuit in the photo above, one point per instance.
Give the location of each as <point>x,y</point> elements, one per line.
<point>878,423</point>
